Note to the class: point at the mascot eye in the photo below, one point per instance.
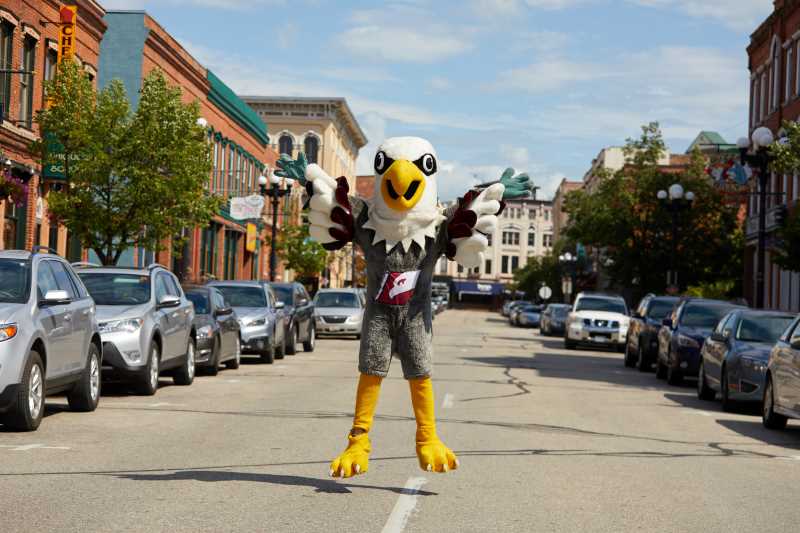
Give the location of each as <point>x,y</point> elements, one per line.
<point>427,164</point>
<point>382,162</point>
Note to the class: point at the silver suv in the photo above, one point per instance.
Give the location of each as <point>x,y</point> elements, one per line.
<point>49,339</point>
<point>145,322</point>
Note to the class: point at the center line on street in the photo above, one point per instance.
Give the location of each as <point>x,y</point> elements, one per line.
<point>447,402</point>
<point>28,447</point>
<point>405,505</point>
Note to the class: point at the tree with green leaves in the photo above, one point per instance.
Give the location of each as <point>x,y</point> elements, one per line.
<point>539,271</point>
<point>625,220</point>
<point>299,252</point>
<point>786,160</point>
<point>135,179</point>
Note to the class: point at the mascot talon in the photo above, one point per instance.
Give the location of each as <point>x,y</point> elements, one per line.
<point>403,232</point>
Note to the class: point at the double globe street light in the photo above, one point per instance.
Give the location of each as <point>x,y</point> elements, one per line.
<point>275,191</point>
<point>676,200</point>
<point>569,262</point>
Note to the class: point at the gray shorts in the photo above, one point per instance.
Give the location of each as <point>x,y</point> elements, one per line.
<point>394,331</point>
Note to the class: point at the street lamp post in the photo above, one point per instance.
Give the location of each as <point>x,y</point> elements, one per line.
<point>759,159</point>
<point>675,200</point>
<point>275,192</point>
<point>570,262</point>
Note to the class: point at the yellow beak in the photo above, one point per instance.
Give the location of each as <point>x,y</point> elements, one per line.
<point>403,185</point>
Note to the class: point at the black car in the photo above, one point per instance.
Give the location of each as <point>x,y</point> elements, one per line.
<point>683,334</point>
<point>647,320</point>
<point>299,310</point>
<point>217,328</point>
<point>554,318</point>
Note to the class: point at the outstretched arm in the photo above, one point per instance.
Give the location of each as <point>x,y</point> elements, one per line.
<point>474,218</point>
<point>331,209</point>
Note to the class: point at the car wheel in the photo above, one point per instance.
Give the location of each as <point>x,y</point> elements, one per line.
<point>294,338</point>
<point>628,359</point>
<point>308,346</point>
<point>568,344</point>
<point>641,361</point>
<point>185,374</point>
<point>28,407</point>
<point>268,355</point>
<point>674,375</point>
<point>234,363</point>
<point>148,381</point>
<point>213,368</point>
<point>280,350</point>
<point>704,392</point>
<point>86,394</point>
<point>727,404</point>
<point>358,336</point>
<point>769,417</point>
<point>661,369</point>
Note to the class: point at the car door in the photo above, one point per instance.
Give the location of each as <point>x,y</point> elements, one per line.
<point>168,319</point>
<point>85,308</point>
<point>56,323</point>
<point>277,315</point>
<point>715,350</point>
<point>303,311</point>
<point>185,313</point>
<point>227,326</point>
<point>78,313</point>
<point>790,366</point>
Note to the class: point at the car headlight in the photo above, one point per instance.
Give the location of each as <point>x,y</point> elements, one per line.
<point>755,365</point>
<point>8,331</point>
<point>205,331</point>
<point>353,319</point>
<point>257,322</point>
<point>687,342</point>
<point>130,325</point>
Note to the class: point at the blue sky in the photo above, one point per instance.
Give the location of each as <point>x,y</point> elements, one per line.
<point>540,85</point>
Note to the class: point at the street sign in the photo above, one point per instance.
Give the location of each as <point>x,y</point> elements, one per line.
<point>246,207</point>
<point>545,292</point>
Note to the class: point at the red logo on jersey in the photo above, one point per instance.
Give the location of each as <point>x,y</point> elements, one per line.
<point>397,288</point>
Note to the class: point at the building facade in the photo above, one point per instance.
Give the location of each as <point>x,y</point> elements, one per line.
<point>560,216</point>
<point>774,63</point>
<point>327,132</point>
<point>29,37</point>
<point>524,230</point>
<point>134,45</point>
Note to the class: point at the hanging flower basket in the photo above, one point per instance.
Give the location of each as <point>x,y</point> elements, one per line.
<point>12,188</point>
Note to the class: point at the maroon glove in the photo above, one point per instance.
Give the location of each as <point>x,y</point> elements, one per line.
<point>342,214</point>
<point>463,222</point>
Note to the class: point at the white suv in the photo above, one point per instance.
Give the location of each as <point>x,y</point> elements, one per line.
<point>598,320</point>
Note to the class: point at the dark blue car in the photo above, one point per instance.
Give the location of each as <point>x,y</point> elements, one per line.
<point>683,334</point>
<point>735,356</point>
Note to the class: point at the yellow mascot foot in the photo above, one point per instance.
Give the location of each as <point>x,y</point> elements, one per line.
<point>354,460</point>
<point>433,455</point>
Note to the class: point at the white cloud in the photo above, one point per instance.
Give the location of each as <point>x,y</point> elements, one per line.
<point>549,75</point>
<point>287,35</point>
<point>440,83</point>
<point>741,15</point>
<point>402,44</point>
<point>539,41</point>
<point>357,74</point>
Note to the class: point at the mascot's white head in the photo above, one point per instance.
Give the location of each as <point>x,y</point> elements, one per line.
<point>404,207</point>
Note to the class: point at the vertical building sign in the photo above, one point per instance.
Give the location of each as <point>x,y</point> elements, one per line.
<point>66,36</point>
<point>252,238</point>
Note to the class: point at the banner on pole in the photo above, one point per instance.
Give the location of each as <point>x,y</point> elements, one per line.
<point>246,207</point>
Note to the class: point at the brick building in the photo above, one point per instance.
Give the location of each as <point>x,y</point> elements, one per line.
<point>29,32</point>
<point>134,45</point>
<point>560,217</point>
<point>774,63</point>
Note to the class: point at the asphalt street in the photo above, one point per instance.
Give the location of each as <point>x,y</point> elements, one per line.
<point>548,439</point>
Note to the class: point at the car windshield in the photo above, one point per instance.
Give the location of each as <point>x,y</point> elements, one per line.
<point>283,293</point>
<point>703,316</point>
<point>15,280</point>
<point>529,308</point>
<point>243,295</point>
<point>561,312</point>
<point>660,308</point>
<point>610,305</point>
<point>337,299</point>
<point>108,288</point>
<point>765,329</point>
<point>200,301</point>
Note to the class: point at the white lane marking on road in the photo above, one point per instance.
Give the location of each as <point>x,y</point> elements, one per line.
<point>233,381</point>
<point>279,366</point>
<point>703,413</point>
<point>29,447</point>
<point>405,505</point>
<point>447,402</point>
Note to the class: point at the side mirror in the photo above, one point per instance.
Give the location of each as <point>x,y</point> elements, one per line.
<point>795,343</point>
<point>169,301</point>
<point>55,298</point>
<point>666,322</point>
<point>223,311</point>
<point>302,302</point>
<point>719,337</point>
<point>279,305</point>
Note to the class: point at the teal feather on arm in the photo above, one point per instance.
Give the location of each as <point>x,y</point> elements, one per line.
<point>294,169</point>
<point>519,186</point>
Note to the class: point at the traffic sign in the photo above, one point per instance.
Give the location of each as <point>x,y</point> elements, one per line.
<point>545,292</point>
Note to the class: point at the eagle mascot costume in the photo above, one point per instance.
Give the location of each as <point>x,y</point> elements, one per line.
<point>402,231</point>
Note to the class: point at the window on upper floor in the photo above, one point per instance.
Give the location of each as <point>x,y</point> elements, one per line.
<point>789,73</point>
<point>487,269</point>
<point>762,97</point>
<point>531,237</point>
<point>285,145</point>
<point>776,74</point>
<point>547,240</point>
<point>50,61</point>
<point>311,148</point>
<point>797,70</point>
<point>511,238</point>
<point>504,264</point>
<point>6,63</point>
<point>488,240</point>
<point>514,263</point>
<point>26,78</point>
<point>546,215</point>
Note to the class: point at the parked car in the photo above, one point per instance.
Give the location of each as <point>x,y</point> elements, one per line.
<point>338,312</point>
<point>781,399</point>
<point>217,329</point>
<point>597,320</point>
<point>299,310</point>
<point>529,316</point>
<point>642,347</point>
<point>145,323</point>
<point>554,318</point>
<point>682,335</point>
<point>261,318</point>
<point>511,304</point>
<point>513,317</point>
<point>49,338</point>
<point>440,302</point>
<point>734,358</point>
